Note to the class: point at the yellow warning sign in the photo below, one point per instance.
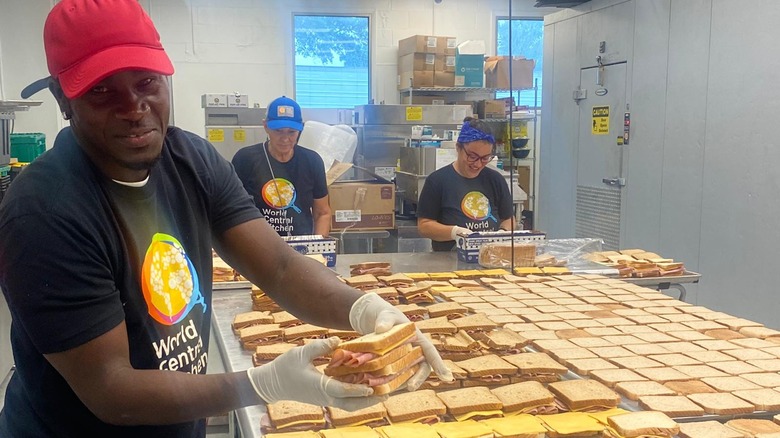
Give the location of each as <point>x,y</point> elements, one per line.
<point>216,135</point>
<point>600,120</point>
<point>239,135</point>
<point>414,113</point>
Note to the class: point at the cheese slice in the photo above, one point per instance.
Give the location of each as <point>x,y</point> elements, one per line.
<point>472,414</point>
<point>404,430</point>
<point>281,426</point>
<point>572,422</point>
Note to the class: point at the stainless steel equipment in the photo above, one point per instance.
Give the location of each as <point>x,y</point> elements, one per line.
<point>230,129</point>
<point>383,129</point>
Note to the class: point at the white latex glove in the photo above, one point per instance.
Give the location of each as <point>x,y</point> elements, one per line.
<point>292,376</point>
<point>370,313</point>
<point>456,230</point>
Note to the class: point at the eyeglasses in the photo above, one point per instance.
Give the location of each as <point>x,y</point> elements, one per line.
<point>473,158</point>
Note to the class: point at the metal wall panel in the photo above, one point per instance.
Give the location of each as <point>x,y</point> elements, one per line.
<point>598,215</point>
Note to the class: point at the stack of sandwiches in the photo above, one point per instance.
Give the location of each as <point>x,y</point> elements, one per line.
<point>221,271</point>
<point>396,280</point>
<point>384,361</point>
<point>416,294</point>
<point>260,334</point>
<point>262,302</point>
<point>297,334</point>
<point>458,346</point>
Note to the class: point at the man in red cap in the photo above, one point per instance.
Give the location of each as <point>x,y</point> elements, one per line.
<point>106,256</point>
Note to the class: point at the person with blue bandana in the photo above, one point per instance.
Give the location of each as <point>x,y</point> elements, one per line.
<point>466,196</point>
<point>287,181</point>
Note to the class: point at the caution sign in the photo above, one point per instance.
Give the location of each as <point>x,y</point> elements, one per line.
<point>414,114</point>
<point>600,120</point>
<point>216,135</point>
<point>239,135</point>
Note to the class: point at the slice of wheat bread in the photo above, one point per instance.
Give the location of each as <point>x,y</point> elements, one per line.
<point>754,427</point>
<point>414,406</point>
<point>634,390</point>
<point>675,406</point>
<point>526,397</point>
<point>708,429</point>
<point>373,415</point>
<point>645,423</point>
<point>580,395</point>
<point>489,364</point>
<point>466,400</point>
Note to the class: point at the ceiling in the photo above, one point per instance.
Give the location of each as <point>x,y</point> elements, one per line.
<point>559,3</point>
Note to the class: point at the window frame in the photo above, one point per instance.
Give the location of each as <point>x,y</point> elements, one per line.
<point>370,45</point>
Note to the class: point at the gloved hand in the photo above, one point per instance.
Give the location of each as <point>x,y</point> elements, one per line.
<point>370,313</point>
<point>292,376</point>
<point>458,230</point>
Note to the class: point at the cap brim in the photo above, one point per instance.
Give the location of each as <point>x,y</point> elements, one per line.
<point>40,84</point>
<point>279,124</point>
<point>76,80</point>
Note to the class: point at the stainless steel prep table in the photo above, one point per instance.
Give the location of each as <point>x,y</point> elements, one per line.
<point>229,299</point>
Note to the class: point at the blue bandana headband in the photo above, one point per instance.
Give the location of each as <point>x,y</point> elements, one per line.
<point>469,134</point>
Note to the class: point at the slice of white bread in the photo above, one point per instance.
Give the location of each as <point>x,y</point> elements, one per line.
<point>755,427</point>
<point>580,395</point>
<point>634,390</point>
<point>708,429</point>
<point>381,343</point>
<point>764,399</point>
<point>417,406</point>
<point>399,379</point>
<point>675,406</point>
<point>644,423</point>
<point>722,403</point>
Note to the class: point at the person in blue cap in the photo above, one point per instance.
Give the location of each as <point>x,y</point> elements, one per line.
<point>287,181</point>
<point>465,196</point>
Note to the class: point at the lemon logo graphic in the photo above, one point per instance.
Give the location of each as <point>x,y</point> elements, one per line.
<point>476,206</point>
<point>169,282</point>
<point>280,193</point>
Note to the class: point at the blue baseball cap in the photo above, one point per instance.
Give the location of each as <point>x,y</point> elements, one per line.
<point>284,112</point>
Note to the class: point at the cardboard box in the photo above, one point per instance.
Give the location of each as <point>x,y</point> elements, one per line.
<point>417,62</point>
<point>446,45</point>
<point>415,79</point>
<point>314,244</point>
<point>367,204</point>
<point>497,72</point>
<point>418,44</point>
<point>212,100</point>
<point>424,100</point>
<point>444,79</point>
<point>468,246</point>
<point>445,63</point>
<point>491,109</point>
<point>469,64</point>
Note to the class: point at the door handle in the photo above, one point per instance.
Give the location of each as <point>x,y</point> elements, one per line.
<point>616,182</point>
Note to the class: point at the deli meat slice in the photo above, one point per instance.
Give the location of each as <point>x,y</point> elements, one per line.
<point>350,358</point>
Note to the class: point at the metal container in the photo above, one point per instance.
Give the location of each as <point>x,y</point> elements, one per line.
<point>409,185</point>
<point>230,129</point>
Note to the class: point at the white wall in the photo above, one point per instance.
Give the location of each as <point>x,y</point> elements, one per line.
<point>245,45</point>
<point>703,175</point>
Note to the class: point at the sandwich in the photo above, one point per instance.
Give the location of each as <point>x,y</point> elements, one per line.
<point>262,302</point>
<point>506,254</point>
<point>755,428</point>
<point>487,370</point>
<point>266,353</point>
<point>416,294</point>
<point>646,424</point>
<point>291,416</point>
<point>246,319</point>
<point>372,416</point>
<point>285,319</point>
<point>475,403</point>
<point>297,333</point>
<point>221,271</point>
<point>516,426</point>
<point>449,309</point>
<point>261,334</point>
<point>343,334</point>
<point>463,429</point>
<point>396,280</point>
<point>474,323</point>
<point>384,361</point>
<point>457,347</point>
<point>389,294</point>
<point>526,398</point>
<point>414,312</point>
<point>571,425</point>
<point>363,282</point>
<point>503,341</point>
<point>468,273</point>
<point>373,268</point>
<point>301,434</point>
<point>349,432</point>
<point>536,366</point>
<point>405,430</point>
<point>675,406</point>
<point>436,326</point>
<point>421,406</point>
<point>708,429</point>
<point>584,395</point>
<point>433,381</point>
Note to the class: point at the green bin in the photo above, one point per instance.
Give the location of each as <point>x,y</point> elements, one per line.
<point>26,147</point>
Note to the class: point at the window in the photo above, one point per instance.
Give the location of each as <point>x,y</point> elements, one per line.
<point>527,41</point>
<point>331,61</point>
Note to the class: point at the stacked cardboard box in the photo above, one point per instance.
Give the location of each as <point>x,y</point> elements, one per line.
<point>426,61</point>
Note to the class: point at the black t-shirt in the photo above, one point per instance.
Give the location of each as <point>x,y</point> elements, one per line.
<point>479,204</point>
<point>286,195</point>
<point>80,253</point>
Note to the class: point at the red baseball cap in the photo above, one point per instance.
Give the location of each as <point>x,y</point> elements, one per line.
<point>88,40</point>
